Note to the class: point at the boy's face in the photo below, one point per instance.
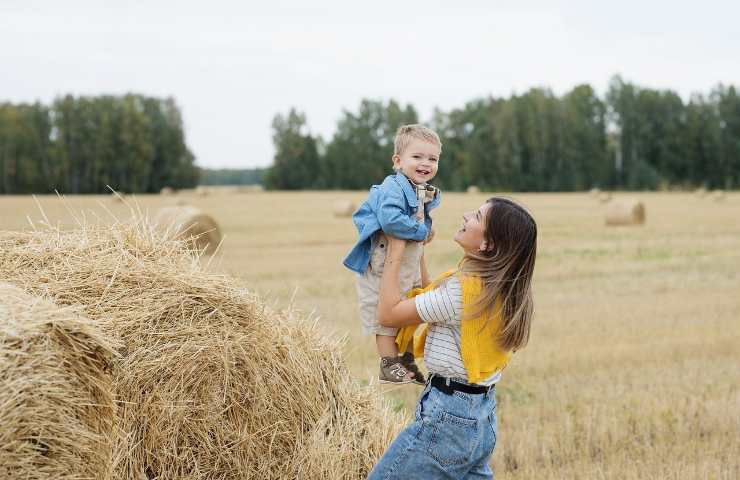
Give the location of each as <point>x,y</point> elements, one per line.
<point>418,161</point>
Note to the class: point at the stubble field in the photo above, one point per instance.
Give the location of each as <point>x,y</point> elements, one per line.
<point>633,368</point>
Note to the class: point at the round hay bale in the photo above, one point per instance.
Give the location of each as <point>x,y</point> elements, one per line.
<point>604,197</point>
<point>188,223</point>
<point>202,191</point>
<point>700,192</point>
<point>344,208</point>
<point>594,192</point>
<point>718,195</point>
<point>625,212</point>
<point>473,189</point>
<point>167,191</point>
<point>212,382</point>
<point>56,397</point>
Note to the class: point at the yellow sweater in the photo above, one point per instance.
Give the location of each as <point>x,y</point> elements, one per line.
<point>480,353</point>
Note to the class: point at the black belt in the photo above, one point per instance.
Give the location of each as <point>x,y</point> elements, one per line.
<point>447,386</point>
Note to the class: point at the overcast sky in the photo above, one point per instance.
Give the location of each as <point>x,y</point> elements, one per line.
<point>233,65</point>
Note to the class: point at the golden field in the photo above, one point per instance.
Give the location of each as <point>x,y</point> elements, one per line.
<point>633,368</point>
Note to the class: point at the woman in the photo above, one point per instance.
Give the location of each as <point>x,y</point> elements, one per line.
<point>474,318</point>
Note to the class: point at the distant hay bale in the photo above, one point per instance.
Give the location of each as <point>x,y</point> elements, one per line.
<point>185,222</point>
<point>56,399</point>
<point>344,208</point>
<point>166,191</point>
<point>718,195</point>
<point>594,192</point>
<point>625,212</point>
<point>604,197</point>
<point>212,383</point>
<point>202,191</point>
<point>700,192</point>
<point>473,189</point>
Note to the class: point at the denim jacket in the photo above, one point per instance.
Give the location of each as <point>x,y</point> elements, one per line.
<point>390,207</point>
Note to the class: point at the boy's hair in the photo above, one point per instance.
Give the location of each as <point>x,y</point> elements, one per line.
<point>415,131</point>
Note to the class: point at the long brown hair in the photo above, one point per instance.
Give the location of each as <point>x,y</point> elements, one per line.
<point>505,269</point>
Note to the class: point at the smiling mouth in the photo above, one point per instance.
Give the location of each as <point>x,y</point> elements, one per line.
<point>423,172</point>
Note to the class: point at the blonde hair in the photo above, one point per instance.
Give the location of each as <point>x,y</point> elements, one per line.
<point>406,133</point>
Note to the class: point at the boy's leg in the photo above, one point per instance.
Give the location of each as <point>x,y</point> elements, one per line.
<point>391,369</point>
<point>386,346</point>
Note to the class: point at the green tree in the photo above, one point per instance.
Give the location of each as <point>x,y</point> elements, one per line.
<point>296,163</point>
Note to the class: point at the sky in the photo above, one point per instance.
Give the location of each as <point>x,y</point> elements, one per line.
<point>233,65</point>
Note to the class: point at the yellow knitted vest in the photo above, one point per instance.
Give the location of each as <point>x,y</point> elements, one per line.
<point>480,353</point>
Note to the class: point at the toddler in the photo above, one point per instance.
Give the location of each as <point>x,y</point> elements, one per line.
<point>399,207</point>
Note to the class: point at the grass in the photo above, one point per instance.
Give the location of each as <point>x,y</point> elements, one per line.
<point>632,369</point>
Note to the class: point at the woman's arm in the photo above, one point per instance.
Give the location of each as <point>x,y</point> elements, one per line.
<point>424,272</point>
<point>392,310</point>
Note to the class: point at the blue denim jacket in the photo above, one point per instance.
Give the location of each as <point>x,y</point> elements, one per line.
<point>390,207</point>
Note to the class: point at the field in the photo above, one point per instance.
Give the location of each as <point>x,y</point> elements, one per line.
<point>632,370</point>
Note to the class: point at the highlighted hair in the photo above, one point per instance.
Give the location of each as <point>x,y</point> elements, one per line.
<point>406,133</point>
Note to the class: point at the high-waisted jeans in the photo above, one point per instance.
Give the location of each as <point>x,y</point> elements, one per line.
<point>451,437</point>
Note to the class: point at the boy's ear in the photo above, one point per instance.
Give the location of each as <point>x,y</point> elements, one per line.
<point>396,161</point>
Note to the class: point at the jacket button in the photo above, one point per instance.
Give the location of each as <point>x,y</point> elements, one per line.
<point>382,246</point>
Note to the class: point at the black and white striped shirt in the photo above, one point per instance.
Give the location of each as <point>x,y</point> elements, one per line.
<point>441,308</point>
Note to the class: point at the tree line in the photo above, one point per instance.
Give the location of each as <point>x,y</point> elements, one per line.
<point>133,143</point>
<point>632,138</point>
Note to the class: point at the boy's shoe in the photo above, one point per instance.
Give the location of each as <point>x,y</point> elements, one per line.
<point>391,371</point>
<point>407,360</point>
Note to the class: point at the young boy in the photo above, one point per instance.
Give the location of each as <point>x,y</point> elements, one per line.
<point>398,207</point>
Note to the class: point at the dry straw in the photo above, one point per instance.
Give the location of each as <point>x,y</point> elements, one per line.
<point>211,382</point>
<point>190,224</point>
<point>343,208</point>
<point>56,401</point>
<point>625,212</point>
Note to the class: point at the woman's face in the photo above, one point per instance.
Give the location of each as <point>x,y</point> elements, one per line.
<point>471,237</point>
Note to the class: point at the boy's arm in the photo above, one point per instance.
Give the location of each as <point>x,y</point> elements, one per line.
<point>395,221</point>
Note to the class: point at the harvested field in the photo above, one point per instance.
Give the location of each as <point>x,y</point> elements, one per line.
<point>631,371</point>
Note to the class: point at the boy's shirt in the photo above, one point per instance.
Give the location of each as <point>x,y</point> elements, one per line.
<point>390,207</point>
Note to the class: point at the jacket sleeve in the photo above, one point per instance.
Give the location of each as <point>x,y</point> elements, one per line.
<point>395,221</point>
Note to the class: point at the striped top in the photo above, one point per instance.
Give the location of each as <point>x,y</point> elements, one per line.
<point>442,309</point>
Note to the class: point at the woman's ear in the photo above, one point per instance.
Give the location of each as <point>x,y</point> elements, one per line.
<point>483,246</point>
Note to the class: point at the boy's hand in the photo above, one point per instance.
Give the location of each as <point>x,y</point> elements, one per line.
<point>430,236</point>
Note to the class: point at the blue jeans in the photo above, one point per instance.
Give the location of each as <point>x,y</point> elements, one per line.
<point>452,436</point>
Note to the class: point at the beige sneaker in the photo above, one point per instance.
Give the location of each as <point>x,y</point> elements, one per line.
<point>407,360</point>
<point>391,371</point>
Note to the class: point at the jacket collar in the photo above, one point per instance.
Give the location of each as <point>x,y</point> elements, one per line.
<point>408,190</point>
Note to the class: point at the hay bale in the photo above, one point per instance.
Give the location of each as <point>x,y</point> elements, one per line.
<point>344,208</point>
<point>718,195</point>
<point>211,382</point>
<point>188,223</point>
<point>594,192</point>
<point>625,212</point>
<point>473,189</point>
<point>167,191</point>
<point>700,192</point>
<point>202,191</point>
<point>604,197</point>
<point>56,399</point>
